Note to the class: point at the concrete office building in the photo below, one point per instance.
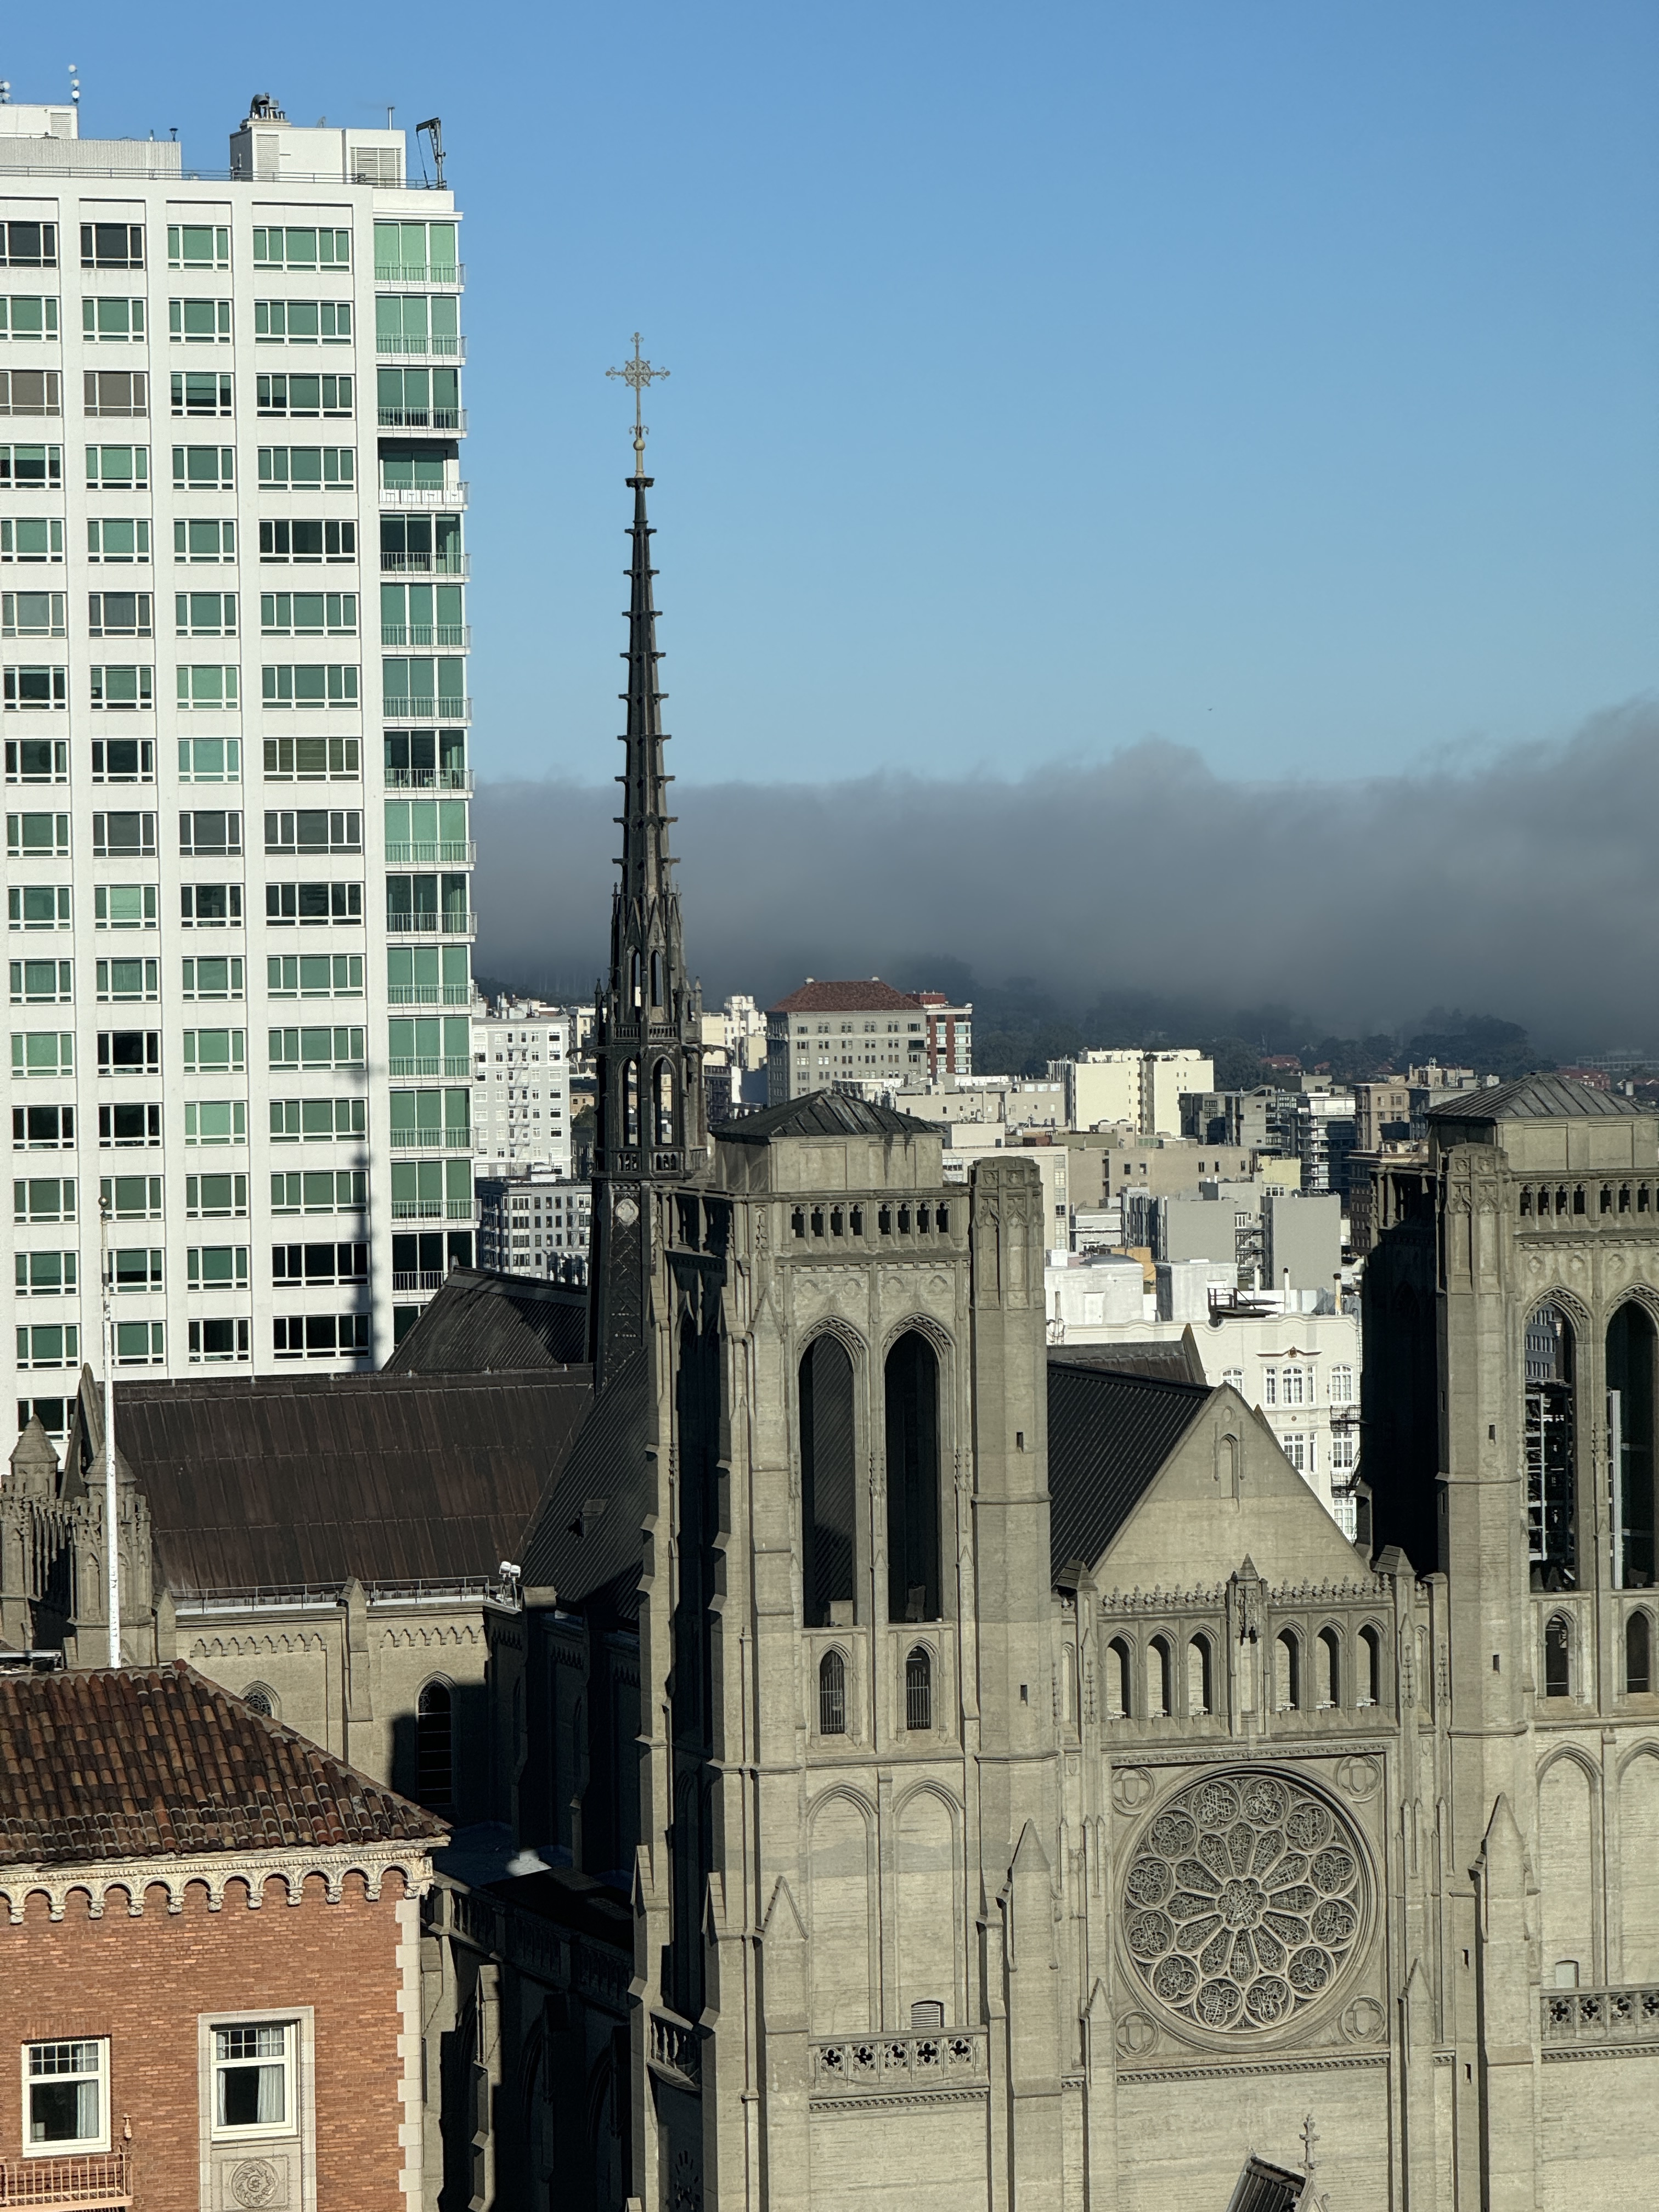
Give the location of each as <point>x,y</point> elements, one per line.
<point>1301,1240</point>
<point>1139,1089</point>
<point>535,1223</point>
<point>521,1088</point>
<point>238,865</point>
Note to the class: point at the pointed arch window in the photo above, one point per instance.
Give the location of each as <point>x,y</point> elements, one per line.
<point>656,978</point>
<point>1632,1365</point>
<point>832,1694</point>
<point>634,990</point>
<point>913,1479</point>
<point>1200,1693</point>
<point>1160,1669</point>
<point>1287,1672</point>
<point>1558,1656</point>
<point>662,1085</point>
<point>1117,1680</point>
<point>1371,1644</point>
<point>1329,1659</point>
<point>919,1688</point>
<point>827,1480</point>
<point>434,1747</point>
<point>1639,1656</point>
<point>631,1103</point>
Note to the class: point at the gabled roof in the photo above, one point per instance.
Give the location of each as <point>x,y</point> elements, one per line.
<point>1537,1098</point>
<point>1108,1435</point>
<point>136,1762</point>
<point>1163,1359</point>
<point>481,1322</point>
<point>873,996</point>
<point>291,1479</point>
<point>823,1114</point>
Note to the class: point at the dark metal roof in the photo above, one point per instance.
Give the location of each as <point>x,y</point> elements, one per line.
<point>1537,1098</point>
<point>1164,1360</point>
<point>481,1322</point>
<point>130,1762</point>
<point>293,1479</point>
<point>1263,2187</point>
<point>1108,1434</point>
<point>823,1114</point>
<point>587,1535</point>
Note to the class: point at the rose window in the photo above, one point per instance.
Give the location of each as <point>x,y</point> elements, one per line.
<point>1243,1901</point>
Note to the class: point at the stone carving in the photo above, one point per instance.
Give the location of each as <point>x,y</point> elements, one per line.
<point>1358,1776</point>
<point>1135,2035</point>
<point>1243,1902</point>
<point>255,2181</point>
<point>1132,1786</point>
<point>1364,2021</point>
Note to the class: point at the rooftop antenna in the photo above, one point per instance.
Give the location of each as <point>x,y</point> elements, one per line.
<point>389,112</point>
<point>112,1546</point>
<point>433,129</point>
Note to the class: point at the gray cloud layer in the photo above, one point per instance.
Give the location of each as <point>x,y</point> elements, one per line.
<point>1524,886</point>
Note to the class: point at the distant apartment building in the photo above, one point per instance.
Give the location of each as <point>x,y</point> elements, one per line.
<point>1139,1089</point>
<point>1382,1114</point>
<point>1324,1138</point>
<point>827,1033</point>
<point>535,1223</point>
<point>235,709</point>
<point>521,1088</point>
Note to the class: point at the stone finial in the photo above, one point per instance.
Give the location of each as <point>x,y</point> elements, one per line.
<point>34,1463</point>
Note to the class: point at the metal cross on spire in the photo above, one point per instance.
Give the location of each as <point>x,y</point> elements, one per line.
<point>639,375</point>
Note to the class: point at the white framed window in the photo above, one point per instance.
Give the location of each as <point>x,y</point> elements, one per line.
<point>1233,1378</point>
<point>1342,1386</point>
<point>1297,1453</point>
<point>65,2096</point>
<point>253,2084</point>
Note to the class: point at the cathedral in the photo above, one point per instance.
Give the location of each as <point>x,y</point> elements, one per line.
<point>1027,1794</point>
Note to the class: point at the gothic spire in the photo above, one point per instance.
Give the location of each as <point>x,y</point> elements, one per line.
<point>648,1025</point>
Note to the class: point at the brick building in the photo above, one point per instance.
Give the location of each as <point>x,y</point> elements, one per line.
<point>210,1957</point>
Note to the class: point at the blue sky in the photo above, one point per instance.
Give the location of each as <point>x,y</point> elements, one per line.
<point>1278,379</point>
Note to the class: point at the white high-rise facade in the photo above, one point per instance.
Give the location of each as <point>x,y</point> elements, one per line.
<point>521,1095</point>
<point>235,718</point>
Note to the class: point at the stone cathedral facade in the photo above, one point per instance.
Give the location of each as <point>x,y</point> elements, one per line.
<point>1027,1795</point>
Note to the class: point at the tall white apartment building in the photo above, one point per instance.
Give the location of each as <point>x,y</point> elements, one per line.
<point>522,1051</point>
<point>234,708</point>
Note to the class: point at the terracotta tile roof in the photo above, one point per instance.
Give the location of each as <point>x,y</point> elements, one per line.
<point>863,998</point>
<point>143,1762</point>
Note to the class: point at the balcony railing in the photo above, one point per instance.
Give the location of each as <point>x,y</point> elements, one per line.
<point>433,853</point>
<point>425,923</point>
<point>429,994</point>
<point>452,636</point>
<point>948,2058</point>
<point>431,1209</point>
<point>451,275</point>
<point>429,779</point>
<point>450,497</point>
<point>395,707</point>
<point>450,1064</point>
<point>432,1140</point>
<point>451,348</point>
<point>422,418</point>
<point>424,564</point>
<point>417,1279</point>
<point>83,2179</point>
<point>1601,2016</point>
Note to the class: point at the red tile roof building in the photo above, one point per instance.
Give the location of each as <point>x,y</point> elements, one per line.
<point>209,1954</point>
<point>827,1033</point>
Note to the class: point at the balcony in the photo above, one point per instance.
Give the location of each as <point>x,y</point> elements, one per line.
<point>429,994</point>
<point>423,419</point>
<point>1596,2018</point>
<point>425,922</point>
<point>429,779</point>
<point>433,853</point>
<point>431,1209</point>
<point>425,565</point>
<point>432,1140</point>
<point>451,498</point>
<point>417,1279</point>
<point>84,2179</point>
<point>453,636</point>
<point>452,1064</point>
<point>448,276</point>
<point>397,708</point>
<point>438,347</point>
<point>948,2058</point>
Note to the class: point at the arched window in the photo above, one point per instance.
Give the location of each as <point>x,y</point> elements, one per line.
<point>1329,1656</point>
<point>1632,1349</point>
<point>434,1747</point>
<point>832,1694</point>
<point>634,994</point>
<point>259,1699</point>
<point>1558,1656</point>
<point>1287,1670</point>
<point>828,1479</point>
<point>1639,1656</point>
<point>1159,1685</point>
<point>1371,1644</point>
<point>664,1088</point>
<point>919,1688</point>
<point>913,1480</point>
<point>1551,1450</point>
<point>656,979</point>
<point>631,1103</point>
<point>1200,1694</point>
<point>1118,1707</point>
